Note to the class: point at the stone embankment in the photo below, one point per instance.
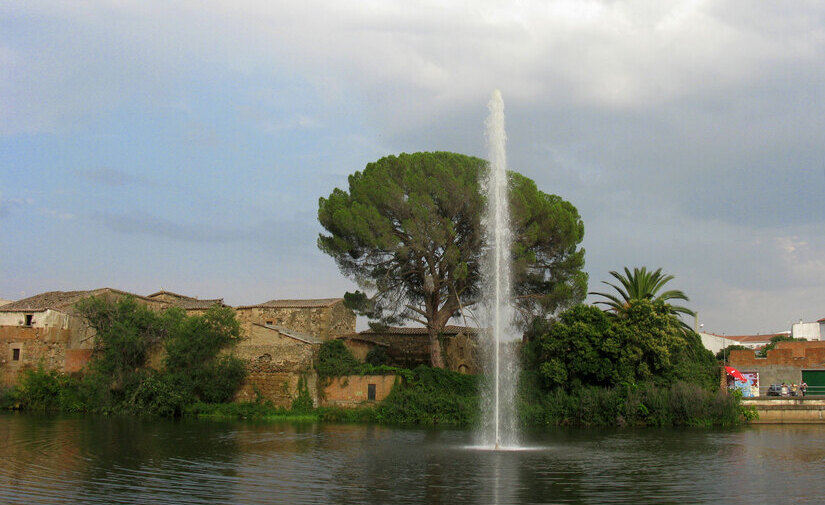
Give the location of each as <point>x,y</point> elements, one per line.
<point>783,410</point>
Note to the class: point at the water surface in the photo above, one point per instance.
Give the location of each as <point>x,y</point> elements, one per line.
<point>103,460</point>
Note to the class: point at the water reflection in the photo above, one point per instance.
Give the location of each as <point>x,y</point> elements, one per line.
<point>102,460</point>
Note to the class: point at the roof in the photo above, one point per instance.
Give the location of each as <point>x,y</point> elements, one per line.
<point>751,338</point>
<point>5,302</point>
<point>164,292</point>
<point>821,320</point>
<point>448,330</point>
<point>187,302</point>
<point>58,300</point>
<point>303,337</point>
<point>358,338</point>
<point>296,304</point>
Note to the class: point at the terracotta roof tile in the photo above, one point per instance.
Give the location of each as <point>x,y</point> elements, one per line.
<point>59,300</point>
<point>297,304</point>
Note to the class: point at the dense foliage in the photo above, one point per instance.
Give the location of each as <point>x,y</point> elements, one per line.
<point>409,230</point>
<point>120,377</point>
<point>335,360</point>
<point>680,404</point>
<point>432,396</point>
<point>586,347</point>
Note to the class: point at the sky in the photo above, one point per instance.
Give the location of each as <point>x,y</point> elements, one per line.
<point>149,145</point>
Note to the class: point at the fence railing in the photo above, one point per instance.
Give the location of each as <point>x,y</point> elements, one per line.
<point>778,390</point>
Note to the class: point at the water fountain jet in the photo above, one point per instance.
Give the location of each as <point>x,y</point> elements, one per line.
<point>499,424</point>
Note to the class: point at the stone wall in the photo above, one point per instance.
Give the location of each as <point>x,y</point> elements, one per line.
<point>281,388</point>
<point>320,322</point>
<point>275,363</point>
<point>353,390</point>
<point>35,346</point>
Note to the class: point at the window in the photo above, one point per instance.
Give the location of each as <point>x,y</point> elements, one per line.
<point>15,354</point>
<point>269,323</point>
<point>371,392</point>
<point>29,319</point>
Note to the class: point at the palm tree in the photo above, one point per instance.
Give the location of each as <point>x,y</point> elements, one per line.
<point>642,285</point>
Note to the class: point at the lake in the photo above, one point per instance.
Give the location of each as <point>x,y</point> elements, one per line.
<point>96,460</point>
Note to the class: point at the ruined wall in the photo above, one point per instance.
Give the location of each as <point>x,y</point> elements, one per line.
<point>280,388</point>
<point>35,346</point>
<point>352,390</point>
<point>461,354</point>
<point>275,363</point>
<point>40,319</point>
<point>340,321</point>
<point>321,322</point>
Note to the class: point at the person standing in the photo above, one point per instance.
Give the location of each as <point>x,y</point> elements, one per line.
<point>803,387</point>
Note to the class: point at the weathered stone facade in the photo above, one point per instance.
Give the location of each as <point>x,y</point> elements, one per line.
<point>45,330</point>
<point>276,360</point>
<point>279,339</point>
<point>323,318</point>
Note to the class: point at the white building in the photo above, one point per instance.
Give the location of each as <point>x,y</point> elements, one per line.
<point>715,343</point>
<point>808,331</point>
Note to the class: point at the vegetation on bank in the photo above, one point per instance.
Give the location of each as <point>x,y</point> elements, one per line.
<point>144,362</point>
<point>634,367</point>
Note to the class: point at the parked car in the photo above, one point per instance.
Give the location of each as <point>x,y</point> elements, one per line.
<point>774,390</point>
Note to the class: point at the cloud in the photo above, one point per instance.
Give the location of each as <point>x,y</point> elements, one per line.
<point>114,177</point>
<point>688,133</point>
<point>62,216</point>
<point>284,235</point>
<point>9,206</point>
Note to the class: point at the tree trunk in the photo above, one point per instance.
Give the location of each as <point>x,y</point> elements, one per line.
<point>436,355</point>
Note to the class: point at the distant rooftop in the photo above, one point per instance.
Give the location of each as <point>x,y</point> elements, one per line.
<point>297,304</point>
<point>187,302</point>
<point>57,300</point>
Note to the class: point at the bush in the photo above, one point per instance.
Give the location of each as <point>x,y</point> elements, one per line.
<point>432,396</point>
<point>378,356</point>
<point>335,360</point>
<point>681,404</point>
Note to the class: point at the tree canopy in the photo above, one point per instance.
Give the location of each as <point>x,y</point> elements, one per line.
<point>408,231</point>
<point>586,347</point>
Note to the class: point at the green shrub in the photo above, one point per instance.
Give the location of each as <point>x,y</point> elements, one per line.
<point>432,396</point>
<point>335,360</point>
<point>377,356</point>
<point>681,404</point>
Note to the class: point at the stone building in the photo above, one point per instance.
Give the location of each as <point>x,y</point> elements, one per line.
<point>277,359</point>
<point>410,347</point>
<point>192,306</point>
<point>322,318</point>
<point>279,340</point>
<point>45,329</point>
